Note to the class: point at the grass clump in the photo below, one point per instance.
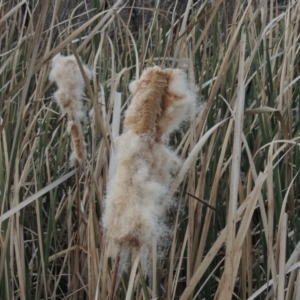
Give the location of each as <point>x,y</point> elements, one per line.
<point>239,154</point>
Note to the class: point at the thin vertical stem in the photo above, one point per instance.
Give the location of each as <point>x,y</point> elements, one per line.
<point>114,277</point>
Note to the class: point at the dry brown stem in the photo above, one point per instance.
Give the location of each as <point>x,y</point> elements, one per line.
<point>114,277</point>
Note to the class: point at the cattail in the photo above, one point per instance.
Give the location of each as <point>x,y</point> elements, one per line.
<point>137,191</point>
<point>66,73</point>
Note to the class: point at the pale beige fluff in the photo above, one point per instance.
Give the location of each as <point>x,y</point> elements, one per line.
<point>66,73</point>
<point>135,205</point>
<point>178,103</point>
<point>134,194</point>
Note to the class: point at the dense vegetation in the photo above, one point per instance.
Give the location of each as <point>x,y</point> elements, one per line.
<point>241,151</point>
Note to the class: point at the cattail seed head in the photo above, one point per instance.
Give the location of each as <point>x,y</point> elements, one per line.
<point>162,99</point>
<point>137,201</point>
<point>78,154</point>
<point>69,103</point>
<point>66,73</point>
<point>145,109</point>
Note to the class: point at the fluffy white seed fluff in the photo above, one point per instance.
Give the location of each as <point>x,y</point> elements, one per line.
<point>66,73</point>
<point>182,97</point>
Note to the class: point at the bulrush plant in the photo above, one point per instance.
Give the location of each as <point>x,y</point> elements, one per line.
<point>66,73</point>
<point>137,200</point>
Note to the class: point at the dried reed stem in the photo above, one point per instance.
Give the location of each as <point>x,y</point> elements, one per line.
<point>114,277</point>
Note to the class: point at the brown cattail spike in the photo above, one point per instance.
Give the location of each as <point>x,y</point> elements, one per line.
<point>77,141</point>
<point>145,109</point>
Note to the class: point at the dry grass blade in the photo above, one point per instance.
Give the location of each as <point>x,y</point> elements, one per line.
<point>192,157</point>
<point>227,283</point>
<point>132,278</point>
<point>204,265</point>
<point>12,11</point>
<point>289,267</point>
<point>114,278</point>
<point>37,195</point>
<point>103,22</point>
<point>262,110</point>
<point>281,279</point>
<point>270,194</point>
